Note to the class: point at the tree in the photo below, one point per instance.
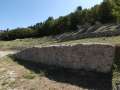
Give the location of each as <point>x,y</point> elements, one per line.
<point>116,9</point>
<point>108,11</point>
<point>46,27</point>
<point>105,12</point>
<point>79,8</point>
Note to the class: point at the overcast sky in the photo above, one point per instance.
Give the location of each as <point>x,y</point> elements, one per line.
<point>22,13</point>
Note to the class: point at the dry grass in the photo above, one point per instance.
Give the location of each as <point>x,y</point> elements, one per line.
<point>25,43</point>
<point>45,41</point>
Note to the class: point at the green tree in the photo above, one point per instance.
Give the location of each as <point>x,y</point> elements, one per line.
<point>105,12</point>
<point>116,9</point>
<point>79,8</point>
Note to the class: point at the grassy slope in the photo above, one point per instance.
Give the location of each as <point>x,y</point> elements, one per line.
<point>47,41</point>
<point>111,40</point>
<point>26,42</point>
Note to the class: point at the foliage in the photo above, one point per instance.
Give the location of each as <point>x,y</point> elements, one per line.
<point>18,33</point>
<point>116,9</point>
<point>107,12</point>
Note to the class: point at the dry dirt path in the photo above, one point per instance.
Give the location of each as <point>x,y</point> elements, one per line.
<point>7,52</point>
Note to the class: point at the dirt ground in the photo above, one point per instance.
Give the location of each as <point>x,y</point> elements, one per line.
<point>7,52</point>
<point>21,75</point>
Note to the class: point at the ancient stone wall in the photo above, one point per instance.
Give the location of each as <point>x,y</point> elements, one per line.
<point>90,57</point>
<point>90,35</point>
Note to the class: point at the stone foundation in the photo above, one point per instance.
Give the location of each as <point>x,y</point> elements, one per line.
<point>90,57</point>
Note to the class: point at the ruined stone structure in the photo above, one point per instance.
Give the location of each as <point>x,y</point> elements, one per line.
<point>90,57</point>
<point>97,30</point>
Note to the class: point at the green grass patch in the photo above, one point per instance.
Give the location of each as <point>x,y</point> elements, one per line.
<point>29,75</point>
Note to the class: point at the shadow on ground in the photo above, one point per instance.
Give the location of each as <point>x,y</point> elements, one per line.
<point>85,79</point>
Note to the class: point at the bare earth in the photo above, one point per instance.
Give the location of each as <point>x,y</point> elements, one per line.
<point>5,53</point>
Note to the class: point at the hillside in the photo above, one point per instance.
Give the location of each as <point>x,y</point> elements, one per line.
<point>106,12</point>
<point>44,41</point>
<point>94,31</point>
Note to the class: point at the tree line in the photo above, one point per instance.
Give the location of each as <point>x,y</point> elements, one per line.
<point>107,12</point>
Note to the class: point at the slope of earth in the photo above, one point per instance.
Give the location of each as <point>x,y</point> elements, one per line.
<point>89,31</point>
<point>45,41</point>
<point>25,43</point>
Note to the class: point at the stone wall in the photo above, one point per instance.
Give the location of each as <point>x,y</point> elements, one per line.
<point>90,57</point>
<point>97,30</point>
<point>90,35</point>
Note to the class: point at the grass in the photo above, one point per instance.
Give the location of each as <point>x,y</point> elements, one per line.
<point>5,83</point>
<point>29,42</point>
<point>29,76</point>
<point>46,41</point>
<point>115,79</point>
<point>111,40</point>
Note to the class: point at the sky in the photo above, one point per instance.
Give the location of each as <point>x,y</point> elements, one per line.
<point>23,13</point>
